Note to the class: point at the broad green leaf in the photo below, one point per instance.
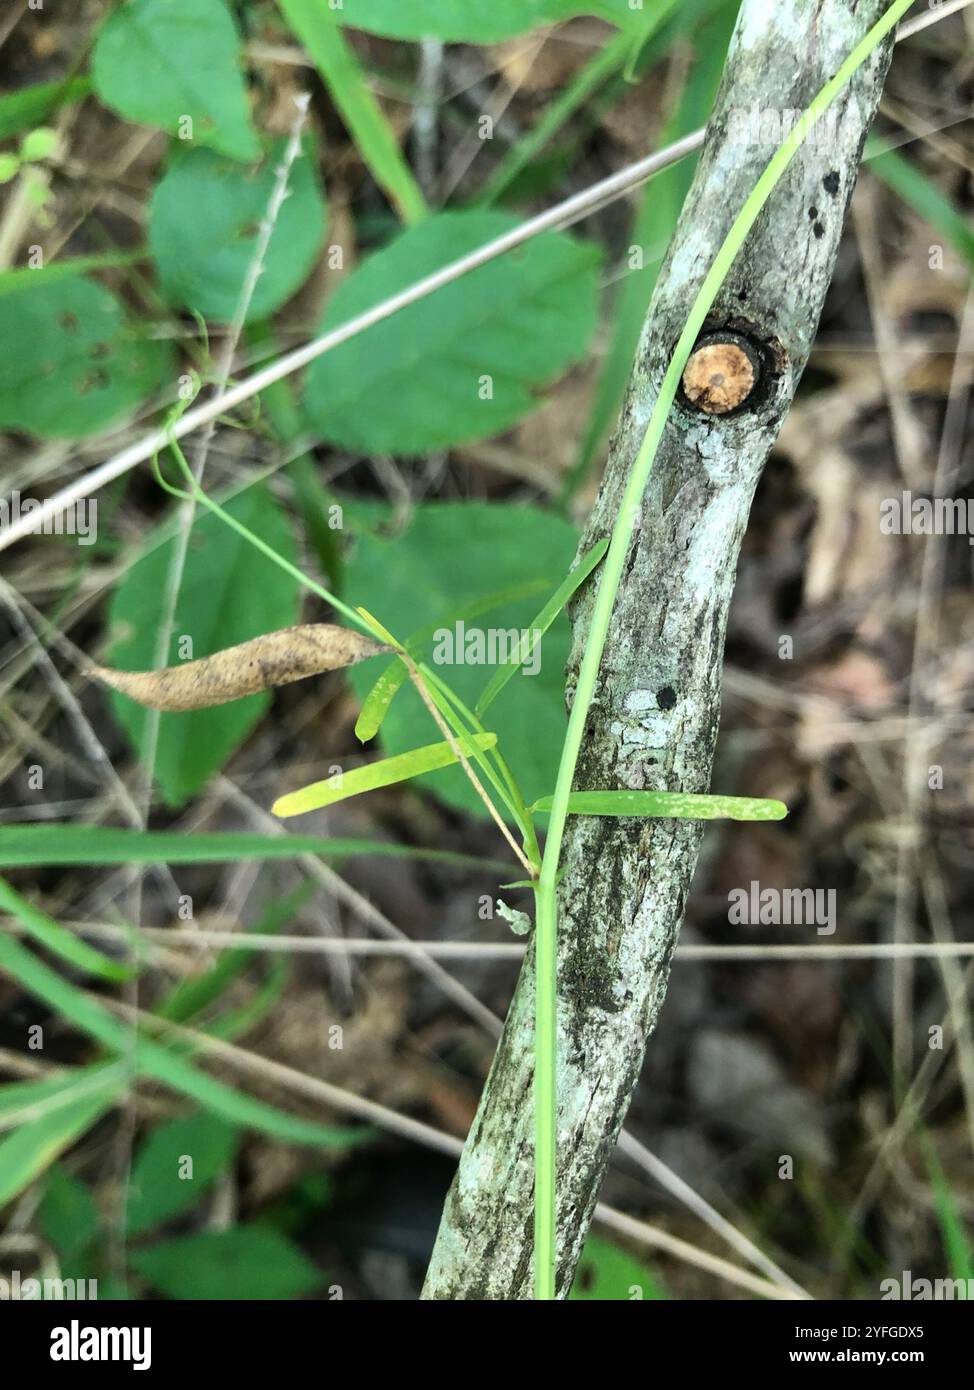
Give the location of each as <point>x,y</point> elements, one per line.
<point>541,624</point>
<point>68,1214</point>
<point>204,224</point>
<point>461,363</point>
<point>384,773</point>
<point>78,365</point>
<point>229,593</point>
<point>607,1274</point>
<point>29,1149</point>
<point>317,27</point>
<point>166,62</point>
<point>252,1262</point>
<point>482,21</point>
<point>175,1166</point>
<point>26,108</point>
<point>450,556</point>
<point>160,1061</point>
<point>61,843</point>
<point>58,940</point>
<point>669,805</point>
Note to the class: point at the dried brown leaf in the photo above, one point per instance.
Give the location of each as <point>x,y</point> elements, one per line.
<point>277,658</point>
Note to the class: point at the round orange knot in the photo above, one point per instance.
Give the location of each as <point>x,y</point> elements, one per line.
<point>719,377</point>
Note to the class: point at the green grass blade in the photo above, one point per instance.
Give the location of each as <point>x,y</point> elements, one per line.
<point>669,805</point>
<point>158,1061</point>
<point>612,58</point>
<point>26,1152</point>
<point>541,624</point>
<point>22,846</point>
<point>23,1102</point>
<point>383,773</point>
<point>923,196</point>
<point>54,938</point>
<point>315,27</point>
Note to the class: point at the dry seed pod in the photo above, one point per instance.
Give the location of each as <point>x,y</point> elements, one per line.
<point>277,658</point>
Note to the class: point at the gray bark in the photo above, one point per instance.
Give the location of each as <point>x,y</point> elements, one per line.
<point>654,721</point>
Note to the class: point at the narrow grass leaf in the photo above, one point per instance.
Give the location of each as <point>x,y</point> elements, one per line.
<point>316,26</point>
<point>384,773</point>
<point>669,805</point>
<point>541,624</point>
<point>158,1061</point>
<point>64,844</point>
<point>54,938</point>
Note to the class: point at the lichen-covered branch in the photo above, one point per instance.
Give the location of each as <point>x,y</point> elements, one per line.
<point>653,723</point>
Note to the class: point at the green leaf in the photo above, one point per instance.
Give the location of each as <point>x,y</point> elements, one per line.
<point>26,108</point>
<point>252,1262</point>
<point>56,939</point>
<point>79,366</point>
<point>229,594</point>
<point>415,382</point>
<point>61,843</point>
<point>541,624</point>
<point>607,1274</point>
<point>160,61</point>
<point>316,26</point>
<point>175,1166</point>
<point>450,556</point>
<point>32,1147</point>
<point>481,21</point>
<point>23,1101</point>
<point>204,224</point>
<point>68,1214</point>
<point>669,806</point>
<point>158,1060</point>
<point>907,179</point>
<point>377,703</point>
<point>384,773</point>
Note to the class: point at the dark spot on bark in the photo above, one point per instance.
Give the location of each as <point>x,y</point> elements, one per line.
<point>831,182</point>
<point>666,698</point>
<point>812,213</point>
<point>818,229</point>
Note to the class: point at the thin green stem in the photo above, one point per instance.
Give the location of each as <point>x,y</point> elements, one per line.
<point>546,935</point>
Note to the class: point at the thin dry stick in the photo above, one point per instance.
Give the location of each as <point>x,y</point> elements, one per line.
<point>410,948</point>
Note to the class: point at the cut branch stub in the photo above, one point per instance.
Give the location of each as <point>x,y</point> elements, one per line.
<point>722,374</point>
<point>276,658</point>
